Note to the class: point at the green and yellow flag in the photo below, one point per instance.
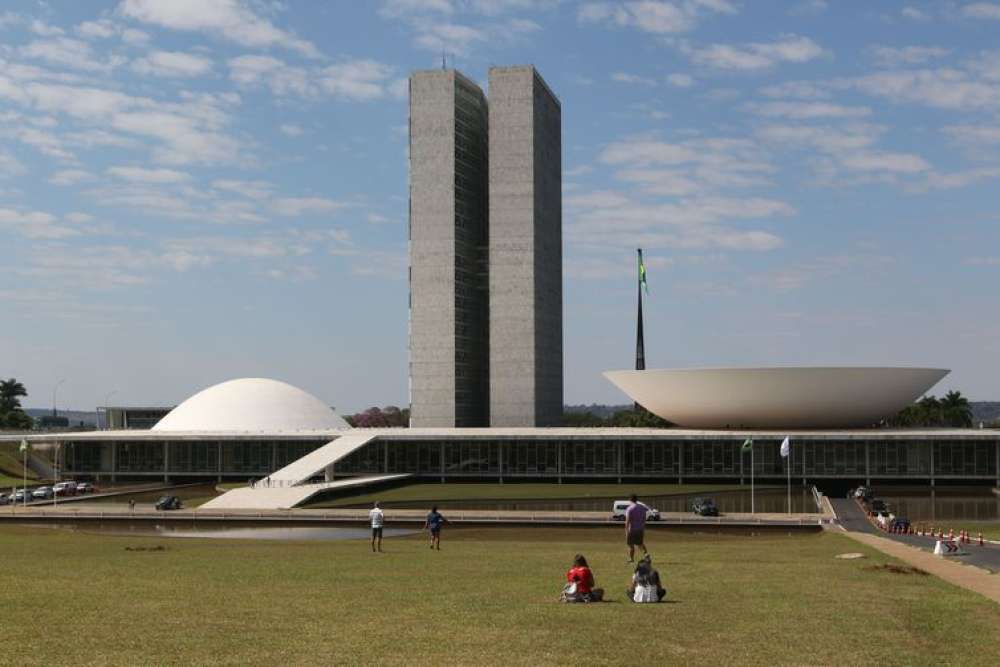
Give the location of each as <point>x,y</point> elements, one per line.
<point>642,273</point>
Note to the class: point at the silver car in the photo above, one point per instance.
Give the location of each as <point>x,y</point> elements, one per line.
<point>42,493</point>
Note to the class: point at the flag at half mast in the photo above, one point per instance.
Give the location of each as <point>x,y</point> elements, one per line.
<point>747,445</point>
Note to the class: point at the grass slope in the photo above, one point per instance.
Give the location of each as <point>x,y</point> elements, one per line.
<point>444,492</point>
<point>12,466</point>
<point>487,599</point>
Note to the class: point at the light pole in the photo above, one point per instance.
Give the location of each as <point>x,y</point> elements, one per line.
<point>54,390</point>
<point>106,399</point>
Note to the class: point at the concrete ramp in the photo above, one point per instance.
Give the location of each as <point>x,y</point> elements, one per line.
<point>315,462</point>
<point>286,497</point>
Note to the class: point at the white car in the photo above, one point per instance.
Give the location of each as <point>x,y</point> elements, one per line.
<point>64,488</point>
<point>619,507</point>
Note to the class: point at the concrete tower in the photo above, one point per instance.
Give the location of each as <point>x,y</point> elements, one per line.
<point>449,329</point>
<point>525,249</point>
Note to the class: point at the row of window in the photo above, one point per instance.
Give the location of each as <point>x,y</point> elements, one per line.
<point>548,458</point>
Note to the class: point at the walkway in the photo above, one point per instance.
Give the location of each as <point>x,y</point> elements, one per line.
<point>918,552</point>
<point>262,497</point>
<point>315,462</point>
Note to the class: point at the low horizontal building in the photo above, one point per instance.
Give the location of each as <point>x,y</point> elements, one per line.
<point>256,428</point>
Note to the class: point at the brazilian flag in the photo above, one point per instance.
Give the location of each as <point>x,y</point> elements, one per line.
<point>642,273</point>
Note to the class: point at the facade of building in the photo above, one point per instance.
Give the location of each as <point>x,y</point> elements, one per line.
<point>485,296</point>
<point>449,328</point>
<point>131,418</point>
<point>525,250</point>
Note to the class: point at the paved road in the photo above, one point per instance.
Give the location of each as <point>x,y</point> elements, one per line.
<point>852,518</point>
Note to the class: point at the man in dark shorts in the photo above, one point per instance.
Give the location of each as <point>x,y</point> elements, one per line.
<point>433,523</point>
<point>377,519</point>
<point>635,527</point>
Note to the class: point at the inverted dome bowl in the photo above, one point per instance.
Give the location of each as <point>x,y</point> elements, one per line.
<point>792,397</point>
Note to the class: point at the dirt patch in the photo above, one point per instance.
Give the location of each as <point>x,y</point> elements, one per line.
<point>896,569</point>
<point>158,547</point>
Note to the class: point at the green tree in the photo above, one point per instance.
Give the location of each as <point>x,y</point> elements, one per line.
<point>955,410</point>
<point>11,392</point>
<point>11,414</point>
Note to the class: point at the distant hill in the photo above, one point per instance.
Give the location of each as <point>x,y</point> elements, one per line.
<point>985,411</point>
<point>75,417</point>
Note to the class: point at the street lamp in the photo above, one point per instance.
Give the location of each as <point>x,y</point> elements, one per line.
<point>107,398</point>
<point>54,390</point>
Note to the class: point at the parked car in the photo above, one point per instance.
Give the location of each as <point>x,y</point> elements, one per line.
<point>64,488</point>
<point>85,487</point>
<point>865,493</point>
<point>169,503</point>
<point>43,493</point>
<point>3,499</point>
<point>705,507</point>
<point>619,506</point>
<point>877,506</point>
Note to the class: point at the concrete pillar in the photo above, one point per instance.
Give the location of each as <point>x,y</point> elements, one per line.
<point>868,465</point>
<point>218,459</point>
<point>166,461</point>
<point>680,462</point>
<point>559,462</point>
<point>329,473</point>
<point>739,452</point>
<point>114,460</point>
<point>385,456</point>
<point>500,459</point>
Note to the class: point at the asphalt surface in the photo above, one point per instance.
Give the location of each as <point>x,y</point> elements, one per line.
<point>853,518</point>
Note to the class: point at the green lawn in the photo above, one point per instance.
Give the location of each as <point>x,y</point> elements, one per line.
<point>487,599</point>
<point>990,529</point>
<point>444,492</point>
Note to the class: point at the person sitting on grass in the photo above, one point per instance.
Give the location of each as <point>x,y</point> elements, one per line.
<point>580,583</point>
<point>645,585</point>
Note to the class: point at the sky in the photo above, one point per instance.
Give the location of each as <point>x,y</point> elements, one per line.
<point>197,190</point>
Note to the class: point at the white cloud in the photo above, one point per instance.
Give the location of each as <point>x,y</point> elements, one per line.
<point>448,37</point>
<point>297,206</point>
<point>68,52</point>
<point>70,177</point>
<point>757,56</point>
<point>43,29</point>
<point>172,64</point>
<point>393,9</point>
<point>9,165</point>
<point>291,130</point>
<point>357,80</point>
<point>654,16</point>
<point>143,175</point>
<point>35,224</point>
<point>914,14</point>
<point>100,29</point>
<point>887,56</point>
<point>680,80</point>
<point>79,218</point>
<point>251,189</point>
<point>974,135</point>
<point>806,90</point>
<point>805,110</point>
<point>982,10</point>
<point>624,77</point>
<point>945,88</point>
<point>958,179</point>
<point>230,19</point>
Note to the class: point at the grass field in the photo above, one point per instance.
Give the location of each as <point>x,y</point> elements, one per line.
<point>990,529</point>
<point>446,492</point>
<point>488,598</point>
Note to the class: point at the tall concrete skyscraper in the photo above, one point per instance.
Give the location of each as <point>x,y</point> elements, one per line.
<point>525,250</point>
<point>485,250</point>
<point>449,332</point>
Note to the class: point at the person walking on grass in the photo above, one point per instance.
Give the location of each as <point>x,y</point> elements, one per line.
<point>635,527</point>
<point>377,518</point>
<point>433,524</point>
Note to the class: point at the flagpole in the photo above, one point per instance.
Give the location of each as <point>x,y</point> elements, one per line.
<point>752,506</point>
<point>788,469</point>
<point>24,469</point>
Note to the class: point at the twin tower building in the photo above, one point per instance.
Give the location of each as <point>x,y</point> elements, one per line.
<point>485,250</point>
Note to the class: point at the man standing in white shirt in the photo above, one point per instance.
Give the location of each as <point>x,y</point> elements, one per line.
<point>377,519</point>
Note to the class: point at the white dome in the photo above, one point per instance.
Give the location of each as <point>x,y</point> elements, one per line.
<point>252,405</point>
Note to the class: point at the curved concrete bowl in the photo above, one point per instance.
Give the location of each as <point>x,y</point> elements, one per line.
<point>792,397</point>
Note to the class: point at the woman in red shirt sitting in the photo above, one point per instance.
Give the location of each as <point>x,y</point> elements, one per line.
<point>580,583</point>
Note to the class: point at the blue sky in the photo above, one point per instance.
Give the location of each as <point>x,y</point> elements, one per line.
<point>195,190</point>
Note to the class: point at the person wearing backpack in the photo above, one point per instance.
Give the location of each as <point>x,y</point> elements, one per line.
<point>433,524</point>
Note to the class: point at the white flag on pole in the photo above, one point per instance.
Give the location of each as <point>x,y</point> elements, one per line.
<point>786,447</point>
